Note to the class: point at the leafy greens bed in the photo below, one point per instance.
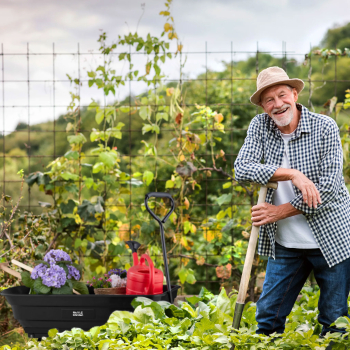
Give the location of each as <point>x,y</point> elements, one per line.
<point>161,325</point>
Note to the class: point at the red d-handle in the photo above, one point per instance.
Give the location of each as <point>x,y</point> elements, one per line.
<point>151,273</point>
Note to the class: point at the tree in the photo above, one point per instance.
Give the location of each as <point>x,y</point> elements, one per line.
<point>337,37</point>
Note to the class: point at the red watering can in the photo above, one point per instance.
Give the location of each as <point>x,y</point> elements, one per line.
<point>143,279</point>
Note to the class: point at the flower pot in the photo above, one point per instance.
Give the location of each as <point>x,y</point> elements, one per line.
<point>110,291</point>
<point>120,290</point>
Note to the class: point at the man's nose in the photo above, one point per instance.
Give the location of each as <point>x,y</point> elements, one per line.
<point>278,103</point>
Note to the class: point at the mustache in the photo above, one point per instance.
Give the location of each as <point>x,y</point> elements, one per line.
<point>276,110</point>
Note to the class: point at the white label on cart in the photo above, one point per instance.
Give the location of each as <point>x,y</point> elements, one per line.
<point>78,313</point>
<point>72,313</point>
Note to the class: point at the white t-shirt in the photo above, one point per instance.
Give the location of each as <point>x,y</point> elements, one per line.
<point>294,231</point>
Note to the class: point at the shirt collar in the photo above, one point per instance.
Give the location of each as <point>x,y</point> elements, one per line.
<point>303,126</point>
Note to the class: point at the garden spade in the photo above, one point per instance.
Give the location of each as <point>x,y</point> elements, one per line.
<point>243,286</point>
<point>161,222</point>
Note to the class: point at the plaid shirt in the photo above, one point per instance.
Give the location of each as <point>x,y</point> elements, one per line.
<point>316,151</point>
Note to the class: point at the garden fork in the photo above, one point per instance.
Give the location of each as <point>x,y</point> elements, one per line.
<point>243,286</point>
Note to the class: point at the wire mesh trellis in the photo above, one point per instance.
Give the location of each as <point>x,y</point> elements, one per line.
<point>24,102</point>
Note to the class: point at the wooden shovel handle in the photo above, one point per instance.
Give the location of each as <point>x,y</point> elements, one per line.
<point>243,287</point>
<point>271,184</point>
<point>30,269</point>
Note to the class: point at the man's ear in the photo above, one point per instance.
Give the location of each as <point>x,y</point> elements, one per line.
<point>295,94</point>
<point>260,105</point>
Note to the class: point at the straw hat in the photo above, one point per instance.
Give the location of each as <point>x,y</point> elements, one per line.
<point>273,76</point>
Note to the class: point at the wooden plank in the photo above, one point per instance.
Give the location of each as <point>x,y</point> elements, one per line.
<point>23,266</point>
<point>5,268</point>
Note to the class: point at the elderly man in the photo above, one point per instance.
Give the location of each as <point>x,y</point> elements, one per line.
<point>305,223</point>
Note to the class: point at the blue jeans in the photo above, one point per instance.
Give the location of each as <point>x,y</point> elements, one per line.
<point>286,276</point>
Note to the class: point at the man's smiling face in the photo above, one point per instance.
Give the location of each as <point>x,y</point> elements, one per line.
<point>279,103</point>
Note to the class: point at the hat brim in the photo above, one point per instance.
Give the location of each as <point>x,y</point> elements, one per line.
<point>295,83</point>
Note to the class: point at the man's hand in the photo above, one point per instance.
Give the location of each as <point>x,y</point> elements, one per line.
<point>310,193</point>
<point>265,213</point>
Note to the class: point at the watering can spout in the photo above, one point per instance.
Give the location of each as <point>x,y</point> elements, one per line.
<point>133,245</point>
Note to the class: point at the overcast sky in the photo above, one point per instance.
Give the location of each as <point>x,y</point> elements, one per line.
<point>218,23</point>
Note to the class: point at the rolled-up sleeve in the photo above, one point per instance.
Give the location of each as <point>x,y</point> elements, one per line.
<point>248,165</point>
<point>330,170</point>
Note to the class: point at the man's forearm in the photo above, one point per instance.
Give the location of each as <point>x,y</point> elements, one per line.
<point>286,210</point>
<point>283,174</point>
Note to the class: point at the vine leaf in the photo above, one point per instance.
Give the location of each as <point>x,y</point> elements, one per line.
<point>67,208</point>
<point>225,198</point>
<point>148,177</point>
<point>87,211</point>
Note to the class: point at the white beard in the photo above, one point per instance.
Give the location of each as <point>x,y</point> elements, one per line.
<point>286,119</point>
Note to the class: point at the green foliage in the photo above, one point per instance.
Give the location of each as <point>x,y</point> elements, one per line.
<point>333,63</point>
<point>187,275</point>
<point>225,198</point>
<point>148,177</point>
<point>202,323</point>
<point>337,37</point>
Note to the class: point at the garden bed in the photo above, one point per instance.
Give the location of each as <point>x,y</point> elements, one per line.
<point>39,313</point>
<point>161,325</point>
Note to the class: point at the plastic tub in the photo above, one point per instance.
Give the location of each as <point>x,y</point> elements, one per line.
<point>39,313</point>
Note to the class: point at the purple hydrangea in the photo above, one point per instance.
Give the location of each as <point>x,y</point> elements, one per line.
<point>56,255</point>
<point>54,276</point>
<point>73,272</point>
<point>38,271</point>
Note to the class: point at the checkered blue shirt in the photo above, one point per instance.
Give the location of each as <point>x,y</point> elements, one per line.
<point>316,151</point>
